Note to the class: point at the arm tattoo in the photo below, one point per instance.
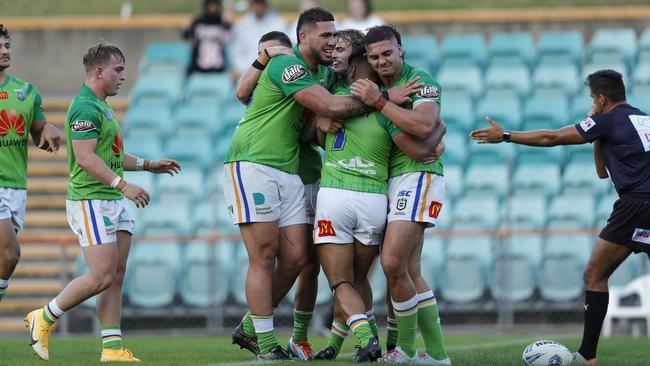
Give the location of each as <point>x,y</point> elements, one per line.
<point>354,107</point>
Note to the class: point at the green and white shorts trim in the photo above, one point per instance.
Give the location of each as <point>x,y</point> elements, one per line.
<point>98,221</point>
<point>12,206</point>
<point>342,216</point>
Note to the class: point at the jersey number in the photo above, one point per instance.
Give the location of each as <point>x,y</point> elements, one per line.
<point>339,140</point>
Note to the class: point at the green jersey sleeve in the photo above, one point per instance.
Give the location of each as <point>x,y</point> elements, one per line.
<point>430,92</point>
<point>388,125</point>
<point>39,115</point>
<point>85,122</point>
<point>290,74</point>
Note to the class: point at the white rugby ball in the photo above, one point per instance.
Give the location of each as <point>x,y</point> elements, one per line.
<point>547,353</point>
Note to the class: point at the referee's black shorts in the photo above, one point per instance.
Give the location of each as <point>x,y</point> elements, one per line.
<point>629,223</point>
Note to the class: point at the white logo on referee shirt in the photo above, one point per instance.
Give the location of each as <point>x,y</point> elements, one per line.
<point>587,124</point>
<point>641,235</point>
<point>642,126</point>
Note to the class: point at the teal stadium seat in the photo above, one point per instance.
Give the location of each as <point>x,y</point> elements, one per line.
<point>157,90</point>
<point>561,43</point>
<point>565,257</point>
<point>460,77</point>
<point>519,264</point>
<point>238,274</point>
<point>153,274</point>
<point>432,258</point>
<point>144,180</point>
<point>205,273</point>
<point>453,179</point>
<point>446,213</point>
<point>208,88</point>
<point>580,172</point>
<point>458,110</point>
<point>612,45</point>
<point>191,146</point>
<point>512,46</point>
<point>487,177</point>
<point>552,110</point>
<point>421,51</point>
<point>467,49</point>
<point>232,111</point>
<point>205,217</point>
<point>596,65</point>
<point>511,75</point>
<point>573,207</point>
<point>604,208</point>
<point>477,208</point>
<point>156,120</point>
<point>553,75</point>
<point>185,187</point>
<point>144,143</point>
<point>167,216</point>
<point>464,273</point>
<point>378,283</point>
<point>503,107</point>
<point>205,116</point>
<point>537,170</point>
<point>581,106</point>
<point>165,57</point>
<point>529,209</point>
<point>455,144</point>
<point>640,100</point>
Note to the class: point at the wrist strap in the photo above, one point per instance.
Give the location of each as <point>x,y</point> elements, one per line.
<point>385,94</point>
<point>258,65</point>
<point>139,164</point>
<point>121,186</point>
<point>380,103</point>
<point>116,181</point>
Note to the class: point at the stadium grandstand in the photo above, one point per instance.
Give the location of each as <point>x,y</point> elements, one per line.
<point>518,224</point>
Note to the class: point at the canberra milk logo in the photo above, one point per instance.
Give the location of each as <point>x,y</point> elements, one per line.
<point>429,91</point>
<point>293,73</point>
<point>10,121</point>
<point>82,125</point>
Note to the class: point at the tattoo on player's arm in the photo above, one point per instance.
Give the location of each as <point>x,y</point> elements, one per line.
<point>355,107</point>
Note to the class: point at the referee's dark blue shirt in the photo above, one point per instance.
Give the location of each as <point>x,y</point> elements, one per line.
<point>624,134</point>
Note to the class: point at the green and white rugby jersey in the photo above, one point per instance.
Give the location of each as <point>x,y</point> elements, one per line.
<point>357,157</point>
<point>20,105</point>
<point>400,163</point>
<point>270,130</point>
<point>311,163</point>
<point>92,118</point>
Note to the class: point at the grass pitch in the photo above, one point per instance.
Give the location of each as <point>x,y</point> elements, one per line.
<point>465,350</point>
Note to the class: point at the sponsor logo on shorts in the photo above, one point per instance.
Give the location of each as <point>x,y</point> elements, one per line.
<point>258,198</point>
<point>293,73</point>
<point>587,124</point>
<point>82,125</point>
<point>641,235</point>
<point>263,210</point>
<point>325,228</point>
<point>434,209</point>
<point>401,203</point>
<point>429,92</point>
<point>4,95</point>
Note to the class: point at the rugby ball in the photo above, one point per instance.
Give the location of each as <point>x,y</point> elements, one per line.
<point>547,353</point>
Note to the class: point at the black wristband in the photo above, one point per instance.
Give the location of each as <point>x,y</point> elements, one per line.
<point>258,65</point>
<point>506,136</point>
<point>385,94</point>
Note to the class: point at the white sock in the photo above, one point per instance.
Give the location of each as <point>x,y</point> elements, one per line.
<point>4,284</point>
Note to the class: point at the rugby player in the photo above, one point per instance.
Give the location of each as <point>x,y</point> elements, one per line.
<point>415,196</point>
<point>20,112</point>
<point>97,210</point>
<point>621,137</point>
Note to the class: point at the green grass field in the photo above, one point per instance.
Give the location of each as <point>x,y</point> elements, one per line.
<point>465,350</point>
<point>112,7</point>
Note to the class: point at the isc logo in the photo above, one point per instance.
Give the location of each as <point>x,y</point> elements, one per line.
<point>325,228</point>
<point>404,194</point>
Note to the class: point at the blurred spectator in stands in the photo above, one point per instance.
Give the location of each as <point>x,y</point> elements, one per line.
<point>359,16</point>
<point>209,33</point>
<point>302,6</point>
<point>259,20</point>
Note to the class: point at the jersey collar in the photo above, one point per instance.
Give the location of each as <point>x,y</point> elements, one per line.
<point>87,92</point>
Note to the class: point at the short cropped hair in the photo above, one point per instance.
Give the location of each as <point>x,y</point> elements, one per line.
<point>381,33</point>
<point>101,53</point>
<point>276,36</point>
<point>608,83</point>
<point>312,16</point>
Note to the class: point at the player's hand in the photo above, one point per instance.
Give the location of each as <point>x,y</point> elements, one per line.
<point>136,194</point>
<point>279,50</point>
<point>367,91</point>
<point>169,166</point>
<point>50,138</point>
<point>328,125</point>
<point>402,94</point>
<point>488,135</point>
<point>436,154</point>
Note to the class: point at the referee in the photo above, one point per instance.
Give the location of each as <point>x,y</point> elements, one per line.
<point>621,137</point>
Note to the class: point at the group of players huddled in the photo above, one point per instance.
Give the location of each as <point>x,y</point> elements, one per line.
<point>380,186</point>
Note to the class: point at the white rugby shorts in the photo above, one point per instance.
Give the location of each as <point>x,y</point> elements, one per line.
<point>311,195</point>
<point>416,197</point>
<point>342,216</point>
<point>12,206</point>
<point>260,193</point>
<point>98,221</point>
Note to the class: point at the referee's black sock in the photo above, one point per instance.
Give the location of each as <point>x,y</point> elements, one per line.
<point>595,310</point>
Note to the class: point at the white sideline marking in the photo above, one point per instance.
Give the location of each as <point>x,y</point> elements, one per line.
<point>457,348</point>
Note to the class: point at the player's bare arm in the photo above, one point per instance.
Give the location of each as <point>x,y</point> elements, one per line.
<point>420,122</point>
<point>45,135</point>
<point>601,170</point>
<point>134,163</point>
<point>567,135</point>
<point>428,150</point>
<point>84,152</point>
<point>319,100</point>
<point>249,78</point>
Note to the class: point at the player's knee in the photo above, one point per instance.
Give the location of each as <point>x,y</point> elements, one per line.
<point>393,267</point>
<point>103,282</point>
<point>592,277</point>
<point>11,256</point>
<point>311,269</point>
